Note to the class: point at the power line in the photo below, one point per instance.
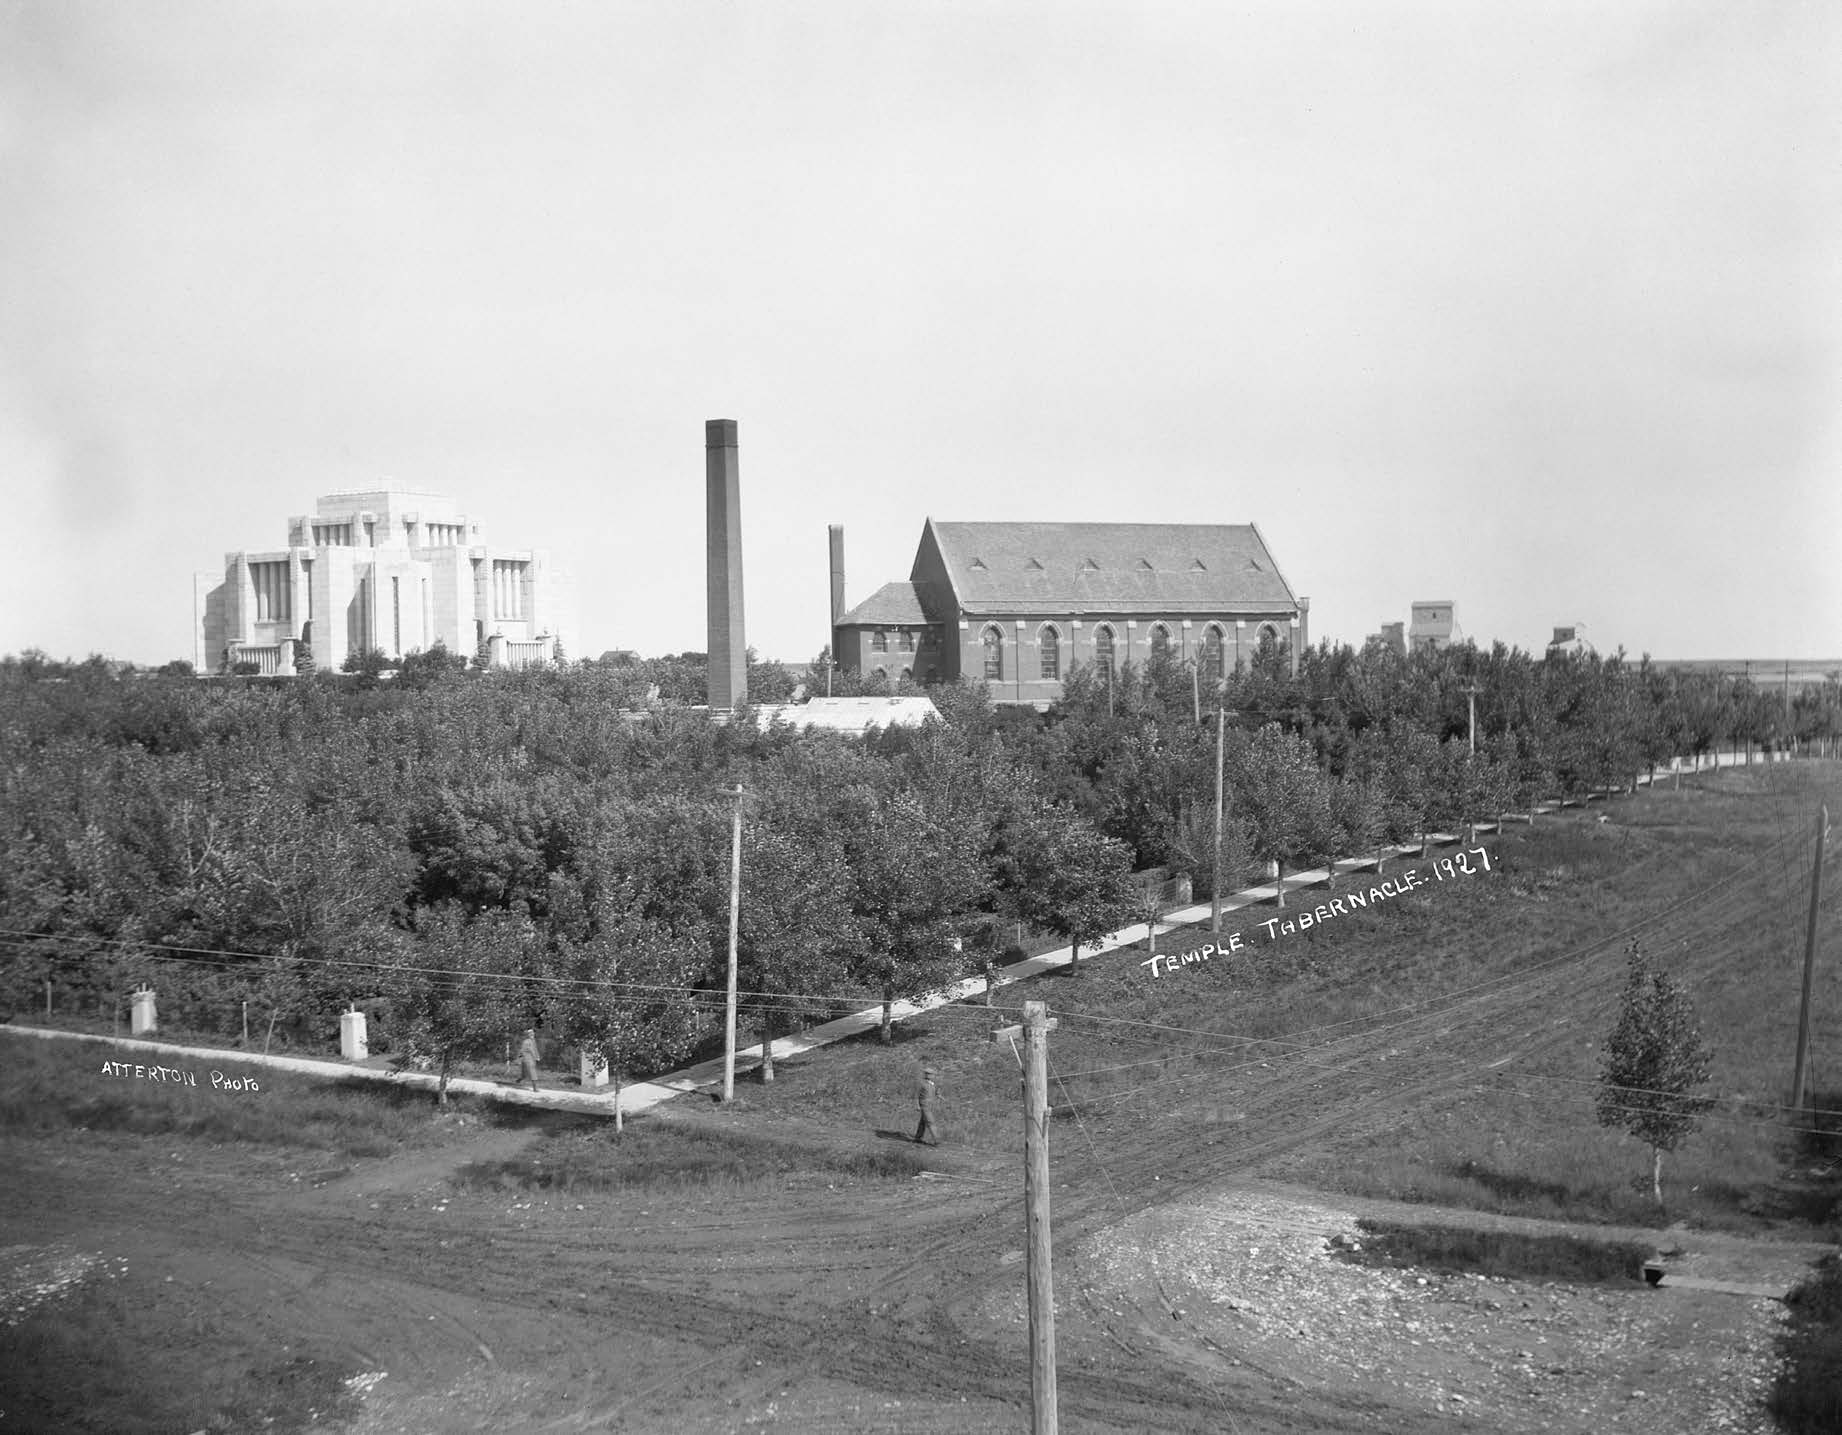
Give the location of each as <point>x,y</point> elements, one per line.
<point>457,978</point>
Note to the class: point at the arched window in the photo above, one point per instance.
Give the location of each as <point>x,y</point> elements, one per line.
<point>908,675</point>
<point>879,641</point>
<point>1051,642</point>
<point>1212,670</point>
<point>1160,641</point>
<point>1103,649</point>
<point>907,640</point>
<point>1268,634</point>
<point>994,653</point>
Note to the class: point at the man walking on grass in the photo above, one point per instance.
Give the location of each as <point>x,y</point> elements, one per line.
<point>928,1098</point>
<point>527,1057</point>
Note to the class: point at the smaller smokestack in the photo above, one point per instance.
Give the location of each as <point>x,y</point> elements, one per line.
<point>837,572</point>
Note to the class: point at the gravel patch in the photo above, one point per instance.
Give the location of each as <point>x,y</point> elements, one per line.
<point>1254,1282</point>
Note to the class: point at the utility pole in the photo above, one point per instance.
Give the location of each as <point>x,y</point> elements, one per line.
<point>1471,693</point>
<point>735,915</point>
<point>1802,1067</point>
<point>1789,731</point>
<point>1215,882</point>
<point>1037,1024</point>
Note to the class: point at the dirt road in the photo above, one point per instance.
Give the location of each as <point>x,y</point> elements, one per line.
<point>1190,1296</point>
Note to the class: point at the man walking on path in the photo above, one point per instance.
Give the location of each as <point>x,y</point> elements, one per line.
<point>928,1097</point>
<point>527,1057</point>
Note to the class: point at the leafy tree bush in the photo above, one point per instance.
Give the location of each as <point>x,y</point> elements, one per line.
<point>1654,1060</point>
<point>1283,798</point>
<point>1064,877</point>
<point>456,990</point>
<point>423,669</point>
<point>367,664</point>
<point>623,994</point>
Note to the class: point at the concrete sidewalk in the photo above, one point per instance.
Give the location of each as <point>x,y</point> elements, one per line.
<point>644,1095</point>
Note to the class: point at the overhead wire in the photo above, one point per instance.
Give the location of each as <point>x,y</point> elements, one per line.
<point>231,960</point>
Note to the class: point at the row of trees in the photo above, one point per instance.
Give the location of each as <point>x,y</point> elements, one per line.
<point>478,855</point>
<point>481,851</point>
<point>1370,746</point>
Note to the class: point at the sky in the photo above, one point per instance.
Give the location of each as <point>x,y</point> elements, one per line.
<point>1535,307</point>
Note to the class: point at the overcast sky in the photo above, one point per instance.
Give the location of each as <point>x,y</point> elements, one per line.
<point>1535,307</point>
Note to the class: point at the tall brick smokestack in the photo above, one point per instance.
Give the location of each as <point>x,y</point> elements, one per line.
<point>728,647</point>
<point>836,532</point>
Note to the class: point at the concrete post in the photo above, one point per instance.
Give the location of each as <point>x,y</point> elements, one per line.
<point>353,1045</point>
<point>143,1018</point>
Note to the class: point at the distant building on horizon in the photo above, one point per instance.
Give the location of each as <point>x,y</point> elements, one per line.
<point>1570,642</point>
<point>392,568</point>
<point>1392,636</point>
<point>1019,604</point>
<point>1434,626</point>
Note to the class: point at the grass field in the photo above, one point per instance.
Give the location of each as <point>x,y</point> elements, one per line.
<point>586,1157</point>
<point>1713,879</point>
<point>1502,1254</point>
<point>51,1087</point>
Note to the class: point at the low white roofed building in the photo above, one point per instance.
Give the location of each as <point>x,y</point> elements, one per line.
<point>850,715</point>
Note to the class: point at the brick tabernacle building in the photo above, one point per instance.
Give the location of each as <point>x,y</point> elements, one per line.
<point>1020,603</point>
<point>390,568</point>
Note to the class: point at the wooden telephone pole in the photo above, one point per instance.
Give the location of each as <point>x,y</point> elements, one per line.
<point>1215,882</point>
<point>1801,1069</point>
<point>735,913</point>
<point>1035,1031</point>
<point>1471,692</point>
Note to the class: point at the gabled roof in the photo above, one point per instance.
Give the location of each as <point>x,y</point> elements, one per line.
<point>892,605</point>
<point>1109,568</point>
